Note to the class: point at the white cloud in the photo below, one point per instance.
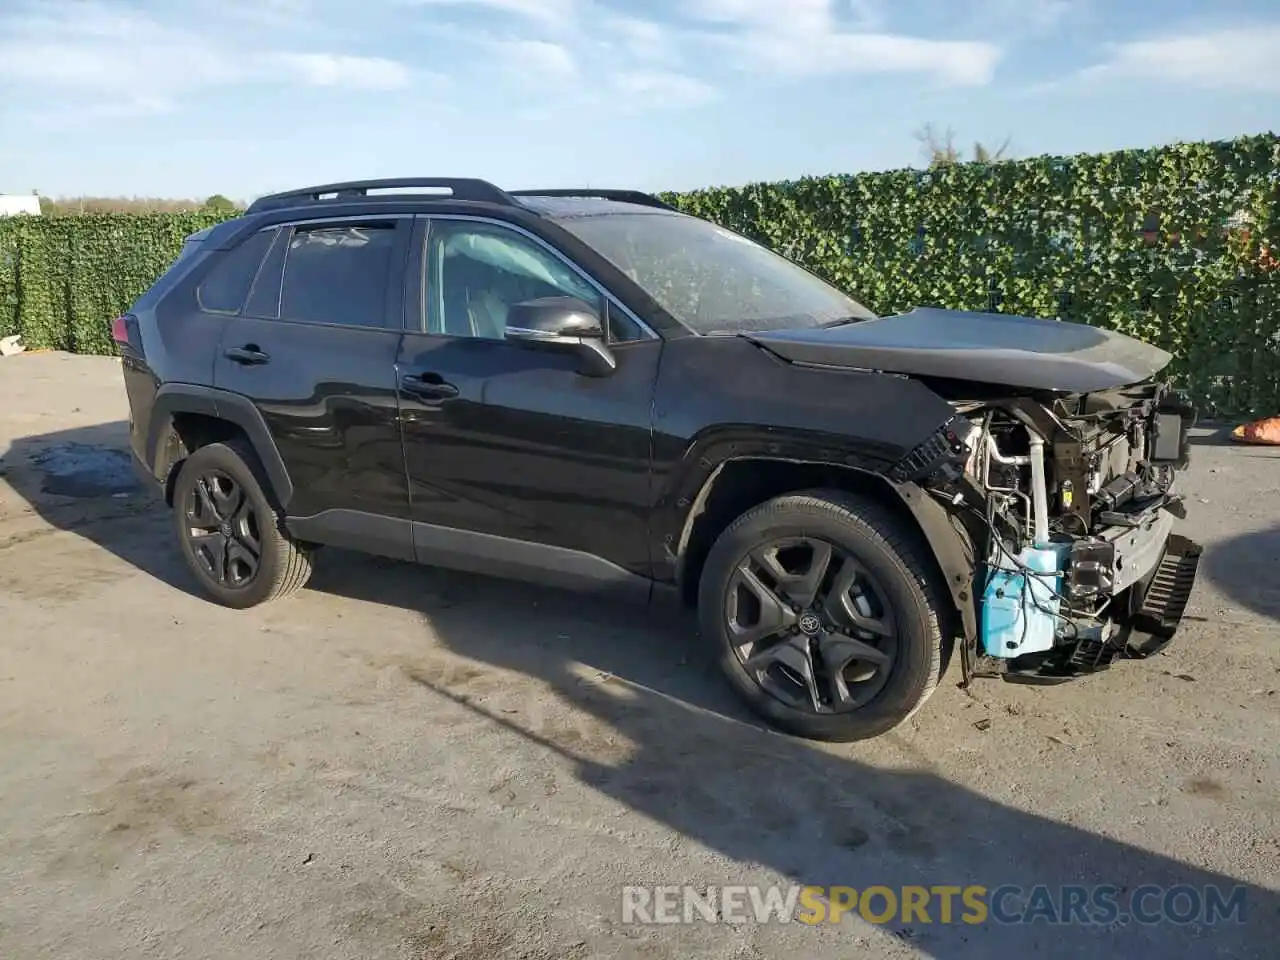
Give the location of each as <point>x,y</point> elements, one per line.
<point>1242,58</point>
<point>293,15</point>
<point>1006,17</point>
<point>606,61</point>
<point>641,39</point>
<point>1043,15</point>
<point>561,12</point>
<point>535,60</point>
<point>671,89</point>
<point>958,62</point>
<point>96,47</point>
<point>117,60</point>
<point>805,37</point>
<point>336,70</point>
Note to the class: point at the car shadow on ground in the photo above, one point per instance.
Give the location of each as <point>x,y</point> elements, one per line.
<point>1213,434</point>
<point>710,772</point>
<point>1219,435</point>
<point>83,480</point>
<point>697,765</point>
<point>1244,569</point>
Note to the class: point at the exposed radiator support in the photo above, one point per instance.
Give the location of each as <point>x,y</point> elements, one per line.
<point>1039,491</point>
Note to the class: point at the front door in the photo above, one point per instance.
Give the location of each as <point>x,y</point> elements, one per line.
<point>514,458</point>
<point>315,350</point>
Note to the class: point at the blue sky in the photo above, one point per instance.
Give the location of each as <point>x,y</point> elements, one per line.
<point>193,97</point>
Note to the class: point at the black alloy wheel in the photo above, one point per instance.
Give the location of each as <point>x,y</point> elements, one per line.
<point>810,625</point>
<point>223,529</point>
<point>240,552</point>
<point>822,610</point>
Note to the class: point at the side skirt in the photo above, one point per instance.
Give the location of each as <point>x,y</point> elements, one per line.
<point>465,550</point>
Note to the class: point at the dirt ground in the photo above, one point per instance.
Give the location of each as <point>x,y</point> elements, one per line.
<point>401,762</point>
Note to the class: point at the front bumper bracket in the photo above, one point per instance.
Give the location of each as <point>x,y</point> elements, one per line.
<point>1148,629</point>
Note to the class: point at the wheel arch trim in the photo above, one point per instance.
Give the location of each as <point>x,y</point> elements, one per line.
<point>177,398</point>
<point>950,545</point>
<point>952,548</point>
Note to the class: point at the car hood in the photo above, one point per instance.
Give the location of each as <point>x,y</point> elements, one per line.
<point>992,348</point>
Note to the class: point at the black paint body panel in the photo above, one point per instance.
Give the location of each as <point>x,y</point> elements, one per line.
<point>328,398</point>
<point>531,449</point>
<point>724,398</point>
<point>994,348</point>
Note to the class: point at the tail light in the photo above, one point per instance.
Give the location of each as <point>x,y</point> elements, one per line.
<point>127,337</point>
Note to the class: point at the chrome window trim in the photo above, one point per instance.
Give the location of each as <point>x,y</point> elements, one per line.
<point>647,330</point>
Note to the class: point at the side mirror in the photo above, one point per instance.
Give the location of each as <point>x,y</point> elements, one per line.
<point>564,325</point>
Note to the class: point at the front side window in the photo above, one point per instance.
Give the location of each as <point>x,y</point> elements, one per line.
<point>711,279</point>
<point>338,274</point>
<point>477,271</point>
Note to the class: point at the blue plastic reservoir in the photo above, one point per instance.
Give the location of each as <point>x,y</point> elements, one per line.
<point>1019,610</point>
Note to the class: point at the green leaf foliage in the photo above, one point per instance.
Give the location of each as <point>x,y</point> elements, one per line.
<point>62,279</point>
<point>1172,245</point>
<point>1176,245</point>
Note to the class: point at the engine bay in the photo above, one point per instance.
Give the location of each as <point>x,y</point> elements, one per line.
<point>1070,501</point>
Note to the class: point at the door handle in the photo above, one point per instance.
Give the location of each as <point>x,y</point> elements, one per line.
<point>428,386</point>
<point>248,355</point>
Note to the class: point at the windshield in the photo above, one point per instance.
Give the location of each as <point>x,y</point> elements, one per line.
<point>711,279</point>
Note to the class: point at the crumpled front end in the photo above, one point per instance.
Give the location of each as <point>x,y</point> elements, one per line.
<point>1072,504</point>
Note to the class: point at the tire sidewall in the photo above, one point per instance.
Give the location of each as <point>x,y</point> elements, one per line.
<point>219,456</point>
<point>913,674</point>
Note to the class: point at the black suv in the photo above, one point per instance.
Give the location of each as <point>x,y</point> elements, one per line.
<point>589,389</point>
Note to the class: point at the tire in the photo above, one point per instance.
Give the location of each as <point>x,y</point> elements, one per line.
<point>234,481</point>
<point>884,557</point>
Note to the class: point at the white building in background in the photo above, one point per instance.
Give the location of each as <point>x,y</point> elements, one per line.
<point>15,203</point>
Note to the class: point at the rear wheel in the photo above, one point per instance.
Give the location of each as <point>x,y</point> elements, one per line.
<point>229,532</point>
<point>823,616</point>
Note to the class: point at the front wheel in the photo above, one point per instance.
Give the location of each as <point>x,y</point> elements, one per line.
<point>228,531</point>
<point>823,615</point>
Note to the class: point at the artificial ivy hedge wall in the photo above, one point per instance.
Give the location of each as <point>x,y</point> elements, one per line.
<point>62,279</point>
<point>1174,245</point>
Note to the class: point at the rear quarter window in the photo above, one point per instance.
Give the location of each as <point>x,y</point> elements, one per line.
<point>225,286</point>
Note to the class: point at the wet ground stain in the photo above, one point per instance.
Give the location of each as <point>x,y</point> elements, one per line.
<point>83,470</point>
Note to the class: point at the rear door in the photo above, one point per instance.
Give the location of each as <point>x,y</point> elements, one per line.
<point>314,348</point>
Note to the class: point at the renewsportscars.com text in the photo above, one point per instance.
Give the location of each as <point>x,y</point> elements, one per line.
<point>1100,905</point>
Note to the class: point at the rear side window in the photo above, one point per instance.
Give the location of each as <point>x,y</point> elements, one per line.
<point>227,283</point>
<point>338,274</point>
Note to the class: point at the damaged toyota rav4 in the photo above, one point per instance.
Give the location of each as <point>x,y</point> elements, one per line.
<point>590,390</point>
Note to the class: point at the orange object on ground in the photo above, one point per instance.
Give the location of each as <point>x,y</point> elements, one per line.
<point>1266,430</point>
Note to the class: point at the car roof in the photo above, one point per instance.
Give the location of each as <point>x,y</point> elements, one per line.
<point>400,195</point>
<point>462,190</point>
<point>568,208</point>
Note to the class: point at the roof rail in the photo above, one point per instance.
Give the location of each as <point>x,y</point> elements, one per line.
<point>460,188</point>
<point>622,196</point>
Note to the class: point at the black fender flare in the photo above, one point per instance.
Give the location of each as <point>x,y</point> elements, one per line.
<point>176,398</point>
<point>952,546</point>
<point>946,536</point>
